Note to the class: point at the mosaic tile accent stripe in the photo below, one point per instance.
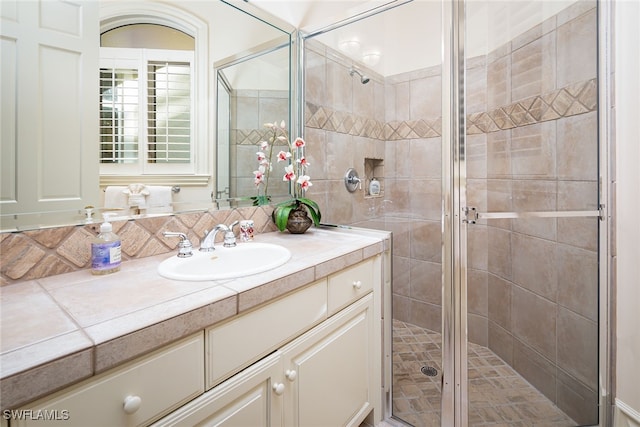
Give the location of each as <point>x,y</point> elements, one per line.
<point>253,137</point>
<point>34,254</point>
<point>578,98</point>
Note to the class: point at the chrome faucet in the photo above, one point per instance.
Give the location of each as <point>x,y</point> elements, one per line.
<point>184,247</point>
<point>210,237</point>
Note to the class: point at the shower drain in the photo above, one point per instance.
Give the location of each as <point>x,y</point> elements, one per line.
<point>429,371</point>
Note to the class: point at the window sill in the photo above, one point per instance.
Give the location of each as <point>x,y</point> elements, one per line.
<point>172,180</point>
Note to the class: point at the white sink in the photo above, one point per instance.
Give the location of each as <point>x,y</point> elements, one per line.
<point>242,260</point>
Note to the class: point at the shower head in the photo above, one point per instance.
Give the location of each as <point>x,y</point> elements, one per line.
<point>363,79</point>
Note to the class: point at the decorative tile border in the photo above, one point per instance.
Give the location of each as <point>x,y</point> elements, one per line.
<point>578,98</point>
<point>253,137</point>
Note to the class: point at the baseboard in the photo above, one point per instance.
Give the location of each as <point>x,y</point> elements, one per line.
<point>625,415</point>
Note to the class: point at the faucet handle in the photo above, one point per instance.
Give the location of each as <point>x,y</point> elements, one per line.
<point>229,236</point>
<point>185,248</point>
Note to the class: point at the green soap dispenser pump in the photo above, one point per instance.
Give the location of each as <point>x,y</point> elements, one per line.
<point>106,250</point>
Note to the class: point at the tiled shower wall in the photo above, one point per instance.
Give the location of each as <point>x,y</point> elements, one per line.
<point>532,138</point>
<point>531,134</point>
<point>251,109</point>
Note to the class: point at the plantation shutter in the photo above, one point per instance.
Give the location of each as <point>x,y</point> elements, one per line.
<point>169,112</point>
<point>146,104</point>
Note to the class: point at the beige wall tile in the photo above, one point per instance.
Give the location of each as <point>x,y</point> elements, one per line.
<point>499,154</point>
<point>500,342</point>
<point>426,281</point>
<point>499,250</point>
<point>536,369</point>
<point>578,347</point>
<point>578,281</point>
<point>499,301</point>
<point>576,400</point>
<point>533,153</point>
<point>423,244</point>
<point>533,321</point>
<point>401,308</point>
<point>578,147</point>
<point>577,49</point>
<point>477,292</point>
<point>426,315</point>
<point>533,68</point>
<point>477,254</point>
<point>499,82</point>
<point>476,89</point>
<point>478,329</point>
<point>339,86</point>
<point>534,265</point>
<point>401,275</point>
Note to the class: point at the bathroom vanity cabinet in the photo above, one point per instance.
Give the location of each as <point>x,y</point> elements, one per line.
<point>309,357</point>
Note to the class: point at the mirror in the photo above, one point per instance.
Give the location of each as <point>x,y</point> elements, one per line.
<point>251,92</point>
<point>235,43</point>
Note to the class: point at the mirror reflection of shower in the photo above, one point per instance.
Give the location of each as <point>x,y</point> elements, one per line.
<point>363,79</point>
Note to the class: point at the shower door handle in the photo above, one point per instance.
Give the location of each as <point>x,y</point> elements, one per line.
<point>471,214</point>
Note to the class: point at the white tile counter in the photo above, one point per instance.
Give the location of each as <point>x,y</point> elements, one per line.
<point>61,329</point>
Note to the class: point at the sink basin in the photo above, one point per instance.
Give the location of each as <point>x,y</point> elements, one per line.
<point>225,263</point>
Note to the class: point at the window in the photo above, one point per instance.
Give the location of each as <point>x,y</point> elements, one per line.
<point>146,104</point>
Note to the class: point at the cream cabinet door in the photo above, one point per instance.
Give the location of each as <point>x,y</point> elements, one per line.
<point>251,398</point>
<point>329,370</point>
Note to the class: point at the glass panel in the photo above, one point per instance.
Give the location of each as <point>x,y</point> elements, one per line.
<point>373,91</point>
<point>532,146</point>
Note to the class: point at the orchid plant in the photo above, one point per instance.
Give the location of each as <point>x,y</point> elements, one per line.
<point>294,173</point>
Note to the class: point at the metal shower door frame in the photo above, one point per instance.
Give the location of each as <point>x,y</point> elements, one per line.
<point>457,216</point>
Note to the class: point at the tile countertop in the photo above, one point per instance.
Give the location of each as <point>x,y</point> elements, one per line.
<point>61,329</point>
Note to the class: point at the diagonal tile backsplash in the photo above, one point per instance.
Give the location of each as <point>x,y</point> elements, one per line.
<point>35,254</point>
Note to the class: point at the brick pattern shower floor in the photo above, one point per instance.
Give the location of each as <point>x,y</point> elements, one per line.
<point>498,396</point>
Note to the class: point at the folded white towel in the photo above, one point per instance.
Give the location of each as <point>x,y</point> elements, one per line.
<point>160,199</point>
<point>115,198</point>
<point>137,194</point>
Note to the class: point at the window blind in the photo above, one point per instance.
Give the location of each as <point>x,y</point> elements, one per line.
<point>119,115</point>
<point>146,119</point>
<point>169,112</point>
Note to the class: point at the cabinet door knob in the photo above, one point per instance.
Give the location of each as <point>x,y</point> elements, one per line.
<point>357,284</point>
<point>278,388</point>
<point>291,375</point>
<point>132,404</point>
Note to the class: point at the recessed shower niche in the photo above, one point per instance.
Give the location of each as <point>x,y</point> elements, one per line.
<point>373,169</point>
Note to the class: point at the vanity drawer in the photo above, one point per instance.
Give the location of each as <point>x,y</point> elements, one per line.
<point>162,381</point>
<point>245,339</point>
<point>349,285</point>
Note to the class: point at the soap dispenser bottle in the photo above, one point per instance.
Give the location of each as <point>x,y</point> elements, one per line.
<point>374,187</point>
<point>105,250</point>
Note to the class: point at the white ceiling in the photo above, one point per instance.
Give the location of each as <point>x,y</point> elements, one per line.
<point>409,36</point>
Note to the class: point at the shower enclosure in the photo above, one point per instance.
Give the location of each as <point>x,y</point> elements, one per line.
<point>480,121</point>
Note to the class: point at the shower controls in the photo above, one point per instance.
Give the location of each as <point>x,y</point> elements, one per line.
<point>351,180</point>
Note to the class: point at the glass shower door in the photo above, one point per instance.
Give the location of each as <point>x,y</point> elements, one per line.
<point>530,212</point>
